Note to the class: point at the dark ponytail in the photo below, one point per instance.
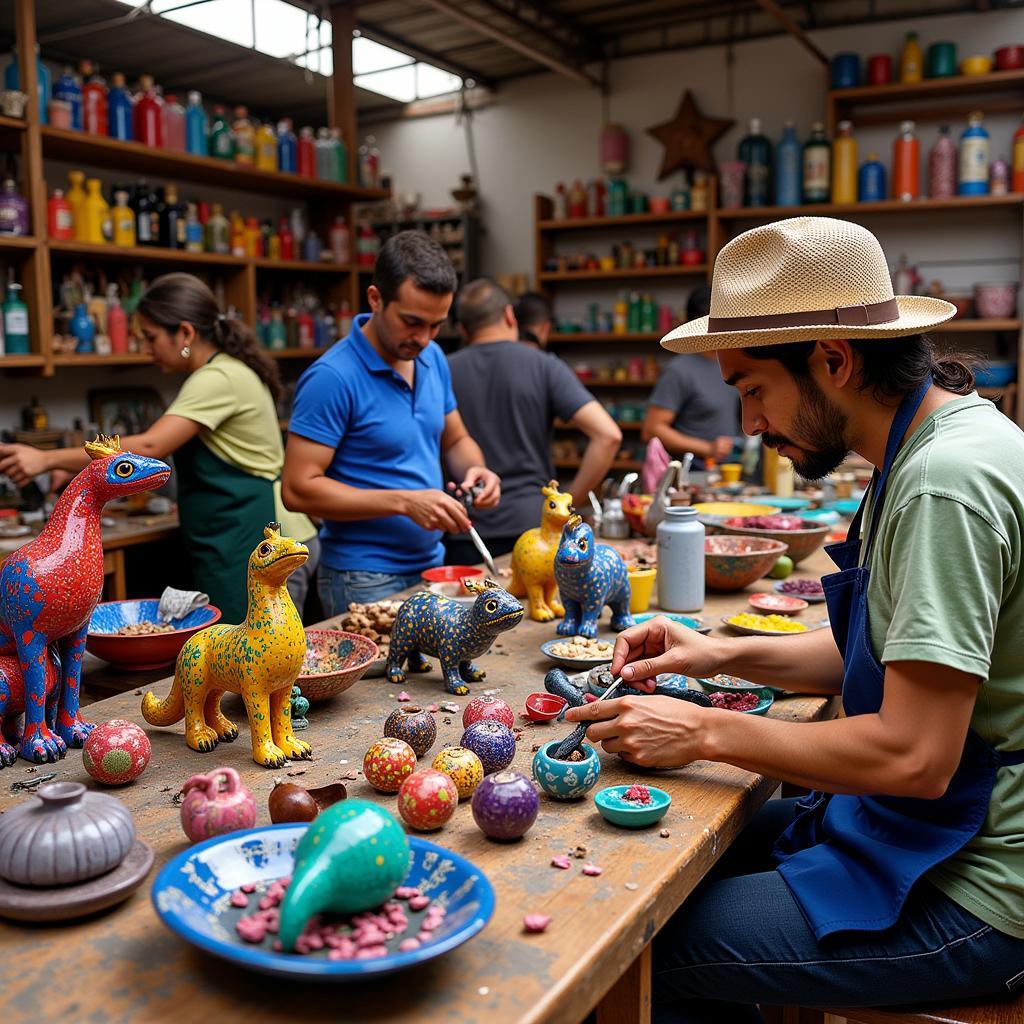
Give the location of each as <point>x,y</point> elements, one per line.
<point>174,299</point>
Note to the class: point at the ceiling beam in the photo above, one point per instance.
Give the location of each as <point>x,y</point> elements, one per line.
<point>565,46</point>
<point>578,35</point>
<point>385,38</point>
<point>525,49</point>
<point>772,8</point>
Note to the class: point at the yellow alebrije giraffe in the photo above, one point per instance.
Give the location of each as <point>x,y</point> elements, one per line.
<point>258,659</point>
<point>533,557</point>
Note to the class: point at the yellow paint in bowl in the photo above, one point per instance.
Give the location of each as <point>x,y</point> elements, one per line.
<point>734,508</point>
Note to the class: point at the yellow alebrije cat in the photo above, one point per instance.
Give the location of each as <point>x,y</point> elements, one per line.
<point>533,557</point>
<point>258,659</point>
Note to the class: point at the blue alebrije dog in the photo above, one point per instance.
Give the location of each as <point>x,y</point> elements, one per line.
<point>589,576</point>
<point>431,624</point>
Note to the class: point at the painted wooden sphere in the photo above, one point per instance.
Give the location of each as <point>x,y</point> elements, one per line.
<point>427,799</point>
<point>493,742</point>
<point>505,805</point>
<point>462,766</point>
<point>414,725</point>
<point>388,763</point>
<point>116,752</point>
<point>488,708</point>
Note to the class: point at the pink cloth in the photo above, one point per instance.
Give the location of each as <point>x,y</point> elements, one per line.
<point>655,463</point>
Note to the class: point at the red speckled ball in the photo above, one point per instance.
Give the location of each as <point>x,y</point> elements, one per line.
<point>488,709</point>
<point>427,799</point>
<point>388,763</point>
<point>116,752</point>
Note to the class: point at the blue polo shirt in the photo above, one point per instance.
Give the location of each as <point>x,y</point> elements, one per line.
<point>385,436</point>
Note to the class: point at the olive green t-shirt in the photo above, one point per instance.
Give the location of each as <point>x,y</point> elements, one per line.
<point>946,587</point>
<point>238,424</point>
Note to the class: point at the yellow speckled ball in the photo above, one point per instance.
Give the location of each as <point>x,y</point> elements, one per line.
<point>462,766</point>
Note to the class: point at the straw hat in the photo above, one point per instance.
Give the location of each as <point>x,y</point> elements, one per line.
<point>799,280</point>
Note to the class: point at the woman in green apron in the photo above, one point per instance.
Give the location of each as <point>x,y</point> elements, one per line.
<point>223,431</point>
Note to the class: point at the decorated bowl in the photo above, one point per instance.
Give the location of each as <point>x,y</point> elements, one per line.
<point>759,698</point>
<point>566,780</point>
<point>625,813</point>
<point>575,664</point>
<point>451,574</point>
<point>543,707</point>
<point>732,563</point>
<point>334,661</point>
<point>801,543</point>
<point>142,650</point>
<point>192,896</point>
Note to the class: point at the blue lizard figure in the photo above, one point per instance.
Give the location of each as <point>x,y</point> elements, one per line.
<point>589,576</point>
<point>432,624</point>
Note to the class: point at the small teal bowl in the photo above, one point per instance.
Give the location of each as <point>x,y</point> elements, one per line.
<point>765,695</point>
<point>786,504</point>
<point>566,780</point>
<point>825,516</point>
<point>846,506</point>
<point>627,814</point>
<point>692,621</point>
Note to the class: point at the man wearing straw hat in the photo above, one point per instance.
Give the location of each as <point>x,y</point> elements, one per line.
<point>901,878</point>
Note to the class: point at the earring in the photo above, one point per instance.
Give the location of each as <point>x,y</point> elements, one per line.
<point>186,352</point>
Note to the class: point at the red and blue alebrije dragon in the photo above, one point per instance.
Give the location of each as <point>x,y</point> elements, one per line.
<point>48,589</point>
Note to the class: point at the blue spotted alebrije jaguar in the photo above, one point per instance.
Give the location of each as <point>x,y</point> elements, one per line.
<point>432,624</point>
<point>589,576</point>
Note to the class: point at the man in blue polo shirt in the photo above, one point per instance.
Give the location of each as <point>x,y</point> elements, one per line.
<point>372,421</point>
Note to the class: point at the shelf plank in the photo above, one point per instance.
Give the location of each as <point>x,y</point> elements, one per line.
<point>882,206</point>
<point>144,254</point>
<point>679,270</point>
<point>320,267</point>
<point>295,353</point>
<point>17,362</point>
<point>623,425</point>
<point>579,337</point>
<point>133,157</point>
<point>968,326</point>
<point>576,223</point>
<point>930,88</point>
<point>94,359</point>
<point>17,242</point>
<point>592,383</point>
<point>18,124</point>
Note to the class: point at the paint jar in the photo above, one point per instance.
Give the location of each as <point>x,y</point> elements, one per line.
<point>941,60</point>
<point>879,69</point>
<point>680,560</point>
<point>641,589</point>
<point>59,113</point>
<point>845,71</point>
<point>731,175</point>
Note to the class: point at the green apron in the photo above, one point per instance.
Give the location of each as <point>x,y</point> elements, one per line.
<point>223,510</point>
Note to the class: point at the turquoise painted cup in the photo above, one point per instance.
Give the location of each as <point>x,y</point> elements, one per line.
<point>566,780</point>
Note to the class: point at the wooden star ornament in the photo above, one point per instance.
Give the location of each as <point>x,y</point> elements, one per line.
<point>688,138</point>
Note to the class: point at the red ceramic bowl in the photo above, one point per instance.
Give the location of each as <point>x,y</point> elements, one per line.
<point>780,604</point>
<point>1009,58</point>
<point>451,573</point>
<point>543,707</point>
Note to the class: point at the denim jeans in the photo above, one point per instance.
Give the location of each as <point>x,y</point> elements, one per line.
<point>340,588</point>
<point>742,939</point>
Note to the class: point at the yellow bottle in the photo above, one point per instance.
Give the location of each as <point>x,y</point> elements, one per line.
<point>245,137</point>
<point>266,148</point>
<point>76,200</point>
<point>123,219</point>
<point>844,165</point>
<point>911,60</point>
<point>96,213</point>
<point>238,237</point>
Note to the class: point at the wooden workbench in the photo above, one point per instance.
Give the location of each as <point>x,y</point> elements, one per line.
<point>123,965</point>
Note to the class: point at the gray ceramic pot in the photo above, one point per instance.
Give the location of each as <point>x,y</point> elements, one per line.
<point>64,835</point>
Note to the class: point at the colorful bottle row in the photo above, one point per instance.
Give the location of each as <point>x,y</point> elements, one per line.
<point>595,199</point>
<point>306,325</point>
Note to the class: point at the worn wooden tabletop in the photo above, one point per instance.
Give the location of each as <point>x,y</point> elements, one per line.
<point>123,965</point>
<point>123,533</point>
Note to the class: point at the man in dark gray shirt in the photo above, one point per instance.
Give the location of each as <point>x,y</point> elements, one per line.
<point>691,408</point>
<point>510,395</point>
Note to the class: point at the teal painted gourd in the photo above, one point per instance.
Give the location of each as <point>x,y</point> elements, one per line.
<point>353,857</point>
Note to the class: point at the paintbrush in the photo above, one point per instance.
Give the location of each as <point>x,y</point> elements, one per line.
<point>579,734</point>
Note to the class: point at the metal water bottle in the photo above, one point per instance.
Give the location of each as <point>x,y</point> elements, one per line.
<point>680,560</point>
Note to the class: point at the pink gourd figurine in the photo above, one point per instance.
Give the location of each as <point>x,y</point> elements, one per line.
<point>215,804</point>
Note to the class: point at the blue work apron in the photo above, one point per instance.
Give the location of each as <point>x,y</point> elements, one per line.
<point>850,861</point>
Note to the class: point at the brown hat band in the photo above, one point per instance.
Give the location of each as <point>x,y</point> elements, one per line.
<point>863,315</point>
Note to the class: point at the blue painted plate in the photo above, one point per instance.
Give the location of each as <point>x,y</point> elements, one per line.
<point>809,598</point>
<point>192,897</point>
<point>822,516</point>
<point>693,621</point>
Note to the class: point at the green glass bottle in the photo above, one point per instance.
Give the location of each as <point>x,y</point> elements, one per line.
<point>15,322</point>
<point>817,185</point>
<point>222,142</point>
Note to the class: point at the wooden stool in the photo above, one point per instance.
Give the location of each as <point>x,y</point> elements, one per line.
<point>1002,1012</point>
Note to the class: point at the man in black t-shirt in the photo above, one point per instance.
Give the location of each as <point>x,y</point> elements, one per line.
<point>510,395</point>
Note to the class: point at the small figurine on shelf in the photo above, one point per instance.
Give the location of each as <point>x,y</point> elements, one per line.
<point>466,194</point>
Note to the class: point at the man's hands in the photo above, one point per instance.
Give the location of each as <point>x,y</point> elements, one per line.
<point>661,645</point>
<point>721,448</point>
<point>489,483</point>
<point>435,510</point>
<point>22,463</point>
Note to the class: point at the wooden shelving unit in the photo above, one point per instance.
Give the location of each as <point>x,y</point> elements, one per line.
<point>885,206</point>
<point>585,337</point>
<point>242,278</point>
<point>623,274</point>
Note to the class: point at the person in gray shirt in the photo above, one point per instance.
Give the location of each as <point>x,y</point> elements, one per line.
<point>510,395</point>
<point>691,408</point>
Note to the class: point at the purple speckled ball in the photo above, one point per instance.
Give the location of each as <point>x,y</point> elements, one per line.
<point>493,742</point>
<point>505,805</point>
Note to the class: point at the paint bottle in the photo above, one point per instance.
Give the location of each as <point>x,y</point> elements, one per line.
<point>172,220</point>
<point>942,166</point>
<point>311,249</point>
<point>95,213</point>
<point>871,184</point>
<point>253,238</point>
<point>218,231</point>
<point>174,124</point>
<point>193,229</point>
<point>755,150</point>
<point>906,164</point>
<point>287,156</point>
<point>60,225</point>
<point>222,143</point>
<point>973,164</point>
<point>13,209</point>
<point>369,163</point>
<point>306,154</point>
<point>341,243</point>
<point>120,110</point>
<point>117,322</point>
<point>239,236</point>
<point>12,81</point>
<point>244,136</point>
<point>817,166</point>
<point>1017,160</point>
<point>82,328</point>
<point>911,60</point>
<point>339,156</point>
<point>123,220</point>
<point>266,148</point>
<point>844,165</point>
<point>680,560</point>
<point>286,239</point>
<point>147,215</point>
<point>197,127</point>
<point>788,167</point>
<point>149,121</point>
<point>95,118</point>
<point>277,337</point>
<point>15,322</point>
<point>66,88</point>
<point>76,200</point>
